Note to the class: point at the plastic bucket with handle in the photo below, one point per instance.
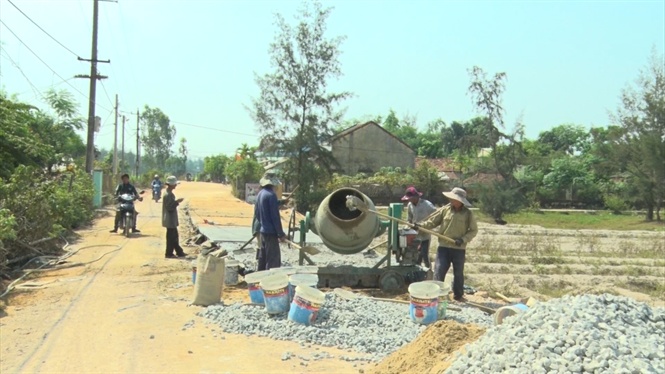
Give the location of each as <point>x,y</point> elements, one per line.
<point>253,284</point>
<point>306,304</point>
<point>306,280</point>
<point>424,302</point>
<point>276,293</point>
<point>444,290</point>
<point>507,311</point>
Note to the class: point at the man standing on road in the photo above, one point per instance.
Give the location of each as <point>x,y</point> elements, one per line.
<point>457,222</point>
<point>125,188</point>
<point>170,220</point>
<point>418,211</point>
<point>266,210</point>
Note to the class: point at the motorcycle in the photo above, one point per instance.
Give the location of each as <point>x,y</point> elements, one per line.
<point>156,192</point>
<point>127,213</point>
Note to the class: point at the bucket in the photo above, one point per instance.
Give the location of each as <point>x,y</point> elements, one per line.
<point>305,280</point>
<point>406,237</point>
<point>444,289</point>
<point>276,293</point>
<point>231,274</point>
<point>289,271</point>
<point>306,304</point>
<point>507,311</point>
<point>253,284</point>
<point>307,270</point>
<point>194,272</point>
<point>424,302</point>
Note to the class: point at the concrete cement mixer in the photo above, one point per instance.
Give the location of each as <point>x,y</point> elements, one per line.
<point>348,232</point>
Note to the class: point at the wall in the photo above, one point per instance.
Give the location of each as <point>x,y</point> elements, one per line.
<point>370,148</point>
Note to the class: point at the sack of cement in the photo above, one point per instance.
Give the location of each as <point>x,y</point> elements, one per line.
<point>209,280</point>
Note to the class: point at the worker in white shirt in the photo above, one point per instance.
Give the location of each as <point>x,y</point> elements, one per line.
<point>418,211</point>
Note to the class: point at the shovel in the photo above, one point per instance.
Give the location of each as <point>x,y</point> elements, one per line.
<point>307,249</point>
<point>354,202</point>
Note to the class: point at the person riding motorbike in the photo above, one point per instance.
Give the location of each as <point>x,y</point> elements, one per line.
<point>156,186</point>
<point>125,188</point>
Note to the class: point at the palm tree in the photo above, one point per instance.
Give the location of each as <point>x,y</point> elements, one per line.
<point>245,151</point>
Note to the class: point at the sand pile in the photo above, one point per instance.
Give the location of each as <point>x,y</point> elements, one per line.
<point>431,351</point>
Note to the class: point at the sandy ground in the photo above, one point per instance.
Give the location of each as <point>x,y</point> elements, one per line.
<point>125,313</point>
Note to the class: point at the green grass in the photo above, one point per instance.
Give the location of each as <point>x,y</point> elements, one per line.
<point>577,221</point>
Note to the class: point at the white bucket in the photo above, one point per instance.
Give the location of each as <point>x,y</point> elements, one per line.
<point>507,311</point>
<point>306,304</point>
<point>444,290</point>
<point>424,302</point>
<point>276,293</point>
<point>231,274</point>
<point>253,284</point>
<point>289,271</point>
<point>305,280</point>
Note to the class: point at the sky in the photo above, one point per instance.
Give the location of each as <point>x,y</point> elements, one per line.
<point>566,61</point>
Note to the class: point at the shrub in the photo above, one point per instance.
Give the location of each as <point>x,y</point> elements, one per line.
<point>615,204</point>
<point>499,198</point>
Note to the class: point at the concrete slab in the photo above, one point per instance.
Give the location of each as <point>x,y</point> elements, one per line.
<point>239,234</point>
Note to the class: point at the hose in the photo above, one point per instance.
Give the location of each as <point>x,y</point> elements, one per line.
<point>56,260</point>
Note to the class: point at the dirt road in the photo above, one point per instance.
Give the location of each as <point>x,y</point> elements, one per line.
<point>126,312</point>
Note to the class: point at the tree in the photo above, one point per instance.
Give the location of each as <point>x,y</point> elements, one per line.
<point>245,151</point>
<point>215,167</point>
<point>295,112</point>
<point>157,135</point>
<point>569,139</point>
<point>642,119</point>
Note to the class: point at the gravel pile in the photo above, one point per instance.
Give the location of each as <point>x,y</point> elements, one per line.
<point>365,326</point>
<point>580,334</point>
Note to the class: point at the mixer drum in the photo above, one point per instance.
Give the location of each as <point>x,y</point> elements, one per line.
<point>344,231</point>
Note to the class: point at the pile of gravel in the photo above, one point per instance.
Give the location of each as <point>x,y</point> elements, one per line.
<point>574,334</point>
<point>362,325</point>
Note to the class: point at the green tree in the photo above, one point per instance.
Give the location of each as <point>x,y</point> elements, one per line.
<point>215,167</point>
<point>569,139</point>
<point>295,112</point>
<point>157,135</point>
<point>642,145</point>
<point>245,151</point>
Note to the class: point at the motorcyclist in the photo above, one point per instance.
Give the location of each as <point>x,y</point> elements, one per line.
<point>156,184</point>
<point>125,188</point>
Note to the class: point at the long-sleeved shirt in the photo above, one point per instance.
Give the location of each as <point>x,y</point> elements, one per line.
<point>418,213</point>
<point>126,188</point>
<point>256,224</point>
<point>453,224</point>
<point>156,183</point>
<point>266,210</point>
<point>170,210</point>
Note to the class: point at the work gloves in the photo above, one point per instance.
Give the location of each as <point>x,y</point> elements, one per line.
<point>459,241</point>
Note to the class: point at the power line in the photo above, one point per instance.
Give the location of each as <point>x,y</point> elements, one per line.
<point>107,94</point>
<point>34,88</point>
<point>214,129</point>
<point>45,32</point>
<point>45,64</point>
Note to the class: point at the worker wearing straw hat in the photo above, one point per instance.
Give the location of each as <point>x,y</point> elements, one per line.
<point>455,221</point>
<point>266,210</point>
<point>170,220</point>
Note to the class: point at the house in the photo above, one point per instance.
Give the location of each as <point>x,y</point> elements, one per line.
<point>448,168</point>
<point>368,147</point>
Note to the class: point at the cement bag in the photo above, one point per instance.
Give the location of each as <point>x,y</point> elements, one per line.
<point>209,280</point>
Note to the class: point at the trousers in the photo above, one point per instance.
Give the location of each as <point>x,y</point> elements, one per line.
<point>118,218</point>
<point>444,258</point>
<point>423,254</point>
<point>270,255</point>
<point>173,242</point>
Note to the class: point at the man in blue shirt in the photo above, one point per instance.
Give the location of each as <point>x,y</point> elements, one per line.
<point>266,210</point>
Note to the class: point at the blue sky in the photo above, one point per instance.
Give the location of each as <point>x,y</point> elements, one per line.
<point>566,61</point>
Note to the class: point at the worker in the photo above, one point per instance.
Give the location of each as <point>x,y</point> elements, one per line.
<point>170,220</point>
<point>256,225</point>
<point>266,210</point>
<point>457,222</point>
<point>418,211</point>
<point>125,188</point>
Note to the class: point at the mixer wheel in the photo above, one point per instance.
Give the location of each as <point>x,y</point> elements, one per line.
<point>391,280</point>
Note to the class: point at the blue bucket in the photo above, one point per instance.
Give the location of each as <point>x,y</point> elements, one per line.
<point>306,304</point>
<point>276,293</point>
<point>295,280</point>
<point>253,284</point>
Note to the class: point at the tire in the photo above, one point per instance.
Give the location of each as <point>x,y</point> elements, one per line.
<point>129,224</point>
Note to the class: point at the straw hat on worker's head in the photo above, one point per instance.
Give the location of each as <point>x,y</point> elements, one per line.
<point>269,179</point>
<point>172,180</point>
<point>459,195</point>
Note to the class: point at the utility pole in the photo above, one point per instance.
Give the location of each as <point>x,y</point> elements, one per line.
<point>90,146</point>
<point>123,138</point>
<point>115,139</point>
<point>138,150</point>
